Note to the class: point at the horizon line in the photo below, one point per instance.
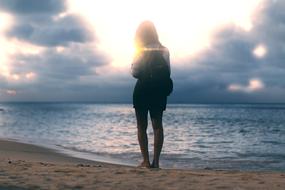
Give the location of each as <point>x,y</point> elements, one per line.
<point>125,102</point>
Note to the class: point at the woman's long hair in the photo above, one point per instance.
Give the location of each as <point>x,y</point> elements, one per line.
<point>146,34</point>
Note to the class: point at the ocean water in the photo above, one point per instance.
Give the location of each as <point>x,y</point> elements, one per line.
<point>197,136</point>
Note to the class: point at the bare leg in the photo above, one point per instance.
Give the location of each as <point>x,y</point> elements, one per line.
<point>141,116</point>
<point>156,119</point>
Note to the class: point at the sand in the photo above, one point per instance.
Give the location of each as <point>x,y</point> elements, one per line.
<point>24,166</point>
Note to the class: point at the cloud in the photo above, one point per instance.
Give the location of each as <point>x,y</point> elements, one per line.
<point>239,65</point>
<point>253,86</point>
<point>52,32</point>
<point>11,92</point>
<point>68,64</point>
<point>32,6</point>
<point>55,50</point>
<point>56,75</point>
<point>45,22</point>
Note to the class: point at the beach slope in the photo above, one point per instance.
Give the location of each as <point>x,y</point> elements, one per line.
<point>24,166</point>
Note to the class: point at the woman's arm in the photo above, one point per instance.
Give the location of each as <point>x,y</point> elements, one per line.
<point>166,57</point>
<point>136,66</point>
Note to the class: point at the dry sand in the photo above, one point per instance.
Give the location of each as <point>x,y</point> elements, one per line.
<point>24,166</point>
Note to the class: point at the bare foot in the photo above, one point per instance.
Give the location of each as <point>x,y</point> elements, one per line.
<point>144,165</point>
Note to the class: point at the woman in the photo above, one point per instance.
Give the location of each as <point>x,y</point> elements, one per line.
<point>149,95</point>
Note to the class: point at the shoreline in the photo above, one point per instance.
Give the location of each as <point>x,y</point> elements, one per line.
<point>65,152</point>
<point>11,149</point>
<point>26,166</point>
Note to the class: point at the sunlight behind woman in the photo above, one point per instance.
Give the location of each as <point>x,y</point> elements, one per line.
<point>185,25</point>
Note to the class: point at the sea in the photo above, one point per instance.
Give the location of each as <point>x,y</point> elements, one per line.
<point>243,137</point>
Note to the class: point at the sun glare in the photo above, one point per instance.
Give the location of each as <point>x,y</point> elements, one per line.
<point>260,51</point>
<point>184,26</point>
<point>253,86</point>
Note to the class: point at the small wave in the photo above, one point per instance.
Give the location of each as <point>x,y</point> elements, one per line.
<point>272,142</point>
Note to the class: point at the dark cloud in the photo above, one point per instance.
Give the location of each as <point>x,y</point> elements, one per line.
<point>230,60</point>
<point>67,64</point>
<point>42,23</point>
<point>70,51</point>
<point>58,73</point>
<point>270,29</point>
<point>52,32</point>
<point>33,6</point>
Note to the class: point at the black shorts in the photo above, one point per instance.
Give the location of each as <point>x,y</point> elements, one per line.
<point>145,97</point>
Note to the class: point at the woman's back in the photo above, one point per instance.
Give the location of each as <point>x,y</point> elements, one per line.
<point>150,59</point>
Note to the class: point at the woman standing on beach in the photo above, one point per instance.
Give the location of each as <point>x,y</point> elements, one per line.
<point>151,66</point>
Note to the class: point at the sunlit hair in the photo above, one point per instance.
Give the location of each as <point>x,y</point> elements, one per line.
<point>146,34</point>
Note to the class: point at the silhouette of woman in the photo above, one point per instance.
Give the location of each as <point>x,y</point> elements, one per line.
<point>147,95</point>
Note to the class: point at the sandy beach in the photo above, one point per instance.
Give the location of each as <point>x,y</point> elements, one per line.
<point>25,166</point>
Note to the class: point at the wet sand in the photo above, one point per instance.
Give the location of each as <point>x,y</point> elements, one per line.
<point>25,166</point>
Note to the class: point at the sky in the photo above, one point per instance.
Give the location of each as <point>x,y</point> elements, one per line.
<point>223,51</point>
